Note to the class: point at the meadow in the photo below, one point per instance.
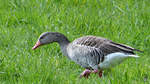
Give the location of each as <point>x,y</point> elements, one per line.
<point>22,21</point>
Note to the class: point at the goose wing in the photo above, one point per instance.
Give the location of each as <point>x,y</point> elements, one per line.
<point>95,48</point>
<point>105,45</point>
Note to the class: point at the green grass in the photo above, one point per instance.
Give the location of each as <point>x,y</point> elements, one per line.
<point>22,21</point>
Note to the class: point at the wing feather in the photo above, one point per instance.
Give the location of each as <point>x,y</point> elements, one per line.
<point>98,47</point>
<point>105,45</point>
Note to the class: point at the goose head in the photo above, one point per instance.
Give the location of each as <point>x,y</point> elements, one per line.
<point>50,37</point>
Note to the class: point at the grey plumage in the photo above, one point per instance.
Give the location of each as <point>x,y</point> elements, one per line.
<point>94,49</point>
<point>87,51</point>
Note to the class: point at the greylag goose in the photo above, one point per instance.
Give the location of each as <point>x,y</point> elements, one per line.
<point>93,53</point>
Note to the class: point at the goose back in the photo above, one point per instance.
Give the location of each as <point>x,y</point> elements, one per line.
<point>105,45</point>
<point>89,51</point>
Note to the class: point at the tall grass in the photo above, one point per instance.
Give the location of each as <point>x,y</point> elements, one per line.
<point>22,21</point>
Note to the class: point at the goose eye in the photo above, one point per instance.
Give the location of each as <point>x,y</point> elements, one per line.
<point>41,37</point>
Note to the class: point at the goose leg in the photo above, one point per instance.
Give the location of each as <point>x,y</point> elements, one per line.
<point>95,71</point>
<point>85,73</point>
<point>100,73</point>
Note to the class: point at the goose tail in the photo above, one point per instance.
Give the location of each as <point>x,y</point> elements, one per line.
<point>133,56</point>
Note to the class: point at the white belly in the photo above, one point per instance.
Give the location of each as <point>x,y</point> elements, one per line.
<point>113,59</point>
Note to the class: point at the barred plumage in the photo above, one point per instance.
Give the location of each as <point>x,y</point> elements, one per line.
<point>97,48</point>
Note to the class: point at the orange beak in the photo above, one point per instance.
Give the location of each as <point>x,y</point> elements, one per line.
<point>36,45</point>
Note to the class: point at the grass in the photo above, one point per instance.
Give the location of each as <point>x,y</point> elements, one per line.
<point>22,21</point>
